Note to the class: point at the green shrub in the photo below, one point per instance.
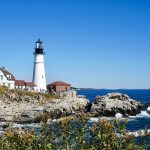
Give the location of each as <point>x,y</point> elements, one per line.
<point>73,133</point>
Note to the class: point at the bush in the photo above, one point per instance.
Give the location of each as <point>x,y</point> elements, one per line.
<point>72,133</point>
<point>50,96</point>
<point>3,89</point>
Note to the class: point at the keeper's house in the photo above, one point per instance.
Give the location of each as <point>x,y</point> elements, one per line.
<point>7,79</point>
<point>58,86</point>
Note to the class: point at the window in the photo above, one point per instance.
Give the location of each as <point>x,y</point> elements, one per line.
<point>1,77</point>
<point>9,85</point>
<point>9,76</point>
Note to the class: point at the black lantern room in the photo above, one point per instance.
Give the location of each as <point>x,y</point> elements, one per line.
<point>38,47</point>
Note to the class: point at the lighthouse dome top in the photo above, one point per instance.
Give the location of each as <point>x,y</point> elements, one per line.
<point>39,41</point>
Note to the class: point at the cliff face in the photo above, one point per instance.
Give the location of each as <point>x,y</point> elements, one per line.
<point>23,106</point>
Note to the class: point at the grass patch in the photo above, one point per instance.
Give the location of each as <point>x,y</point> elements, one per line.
<point>48,96</point>
<point>51,96</point>
<point>3,89</point>
<point>23,92</point>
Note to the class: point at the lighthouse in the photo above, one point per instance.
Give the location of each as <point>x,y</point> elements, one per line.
<point>39,78</point>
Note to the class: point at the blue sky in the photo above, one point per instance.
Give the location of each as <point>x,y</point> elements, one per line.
<point>88,43</point>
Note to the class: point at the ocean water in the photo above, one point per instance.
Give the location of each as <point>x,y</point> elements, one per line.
<point>135,123</point>
<point>140,121</point>
<point>141,95</point>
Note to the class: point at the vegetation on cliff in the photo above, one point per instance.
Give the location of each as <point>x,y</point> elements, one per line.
<point>15,93</point>
<point>72,133</point>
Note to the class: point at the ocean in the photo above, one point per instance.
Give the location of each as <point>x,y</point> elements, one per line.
<point>135,123</point>
<point>142,95</point>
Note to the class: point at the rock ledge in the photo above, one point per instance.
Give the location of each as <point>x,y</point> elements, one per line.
<point>113,103</point>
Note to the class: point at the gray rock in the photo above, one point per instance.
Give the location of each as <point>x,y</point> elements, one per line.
<point>113,103</point>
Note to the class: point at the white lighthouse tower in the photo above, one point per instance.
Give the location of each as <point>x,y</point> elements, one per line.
<point>39,78</point>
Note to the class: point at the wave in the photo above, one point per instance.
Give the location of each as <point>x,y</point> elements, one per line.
<point>32,125</point>
<point>142,114</point>
<point>139,133</point>
<point>148,109</point>
<point>96,119</point>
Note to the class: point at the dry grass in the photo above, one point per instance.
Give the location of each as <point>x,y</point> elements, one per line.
<point>3,89</point>
<point>30,94</point>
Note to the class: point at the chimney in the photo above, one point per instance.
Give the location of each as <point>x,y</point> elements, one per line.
<point>3,68</point>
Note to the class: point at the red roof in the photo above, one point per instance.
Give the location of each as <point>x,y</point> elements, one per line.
<point>7,73</point>
<point>58,83</point>
<point>23,83</point>
<point>30,84</point>
<point>19,83</point>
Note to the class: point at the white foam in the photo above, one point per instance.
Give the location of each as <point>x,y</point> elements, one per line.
<point>132,118</point>
<point>96,119</point>
<point>93,119</point>
<point>143,114</point>
<point>118,116</point>
<point>142,133</point>
<point>148,109</point>
<point>32,125</point>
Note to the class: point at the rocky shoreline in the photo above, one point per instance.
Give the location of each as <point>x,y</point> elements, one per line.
<point>23,107</point>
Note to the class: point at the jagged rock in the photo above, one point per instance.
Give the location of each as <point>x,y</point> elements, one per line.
<point>55,109</point>
<point>113,103</point>
<point>26,107</point>
<point>88,107</point>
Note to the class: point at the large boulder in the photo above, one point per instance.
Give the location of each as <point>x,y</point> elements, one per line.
<point>113,103</point>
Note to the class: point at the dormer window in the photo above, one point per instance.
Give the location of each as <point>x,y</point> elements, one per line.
<point>9,76</point>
